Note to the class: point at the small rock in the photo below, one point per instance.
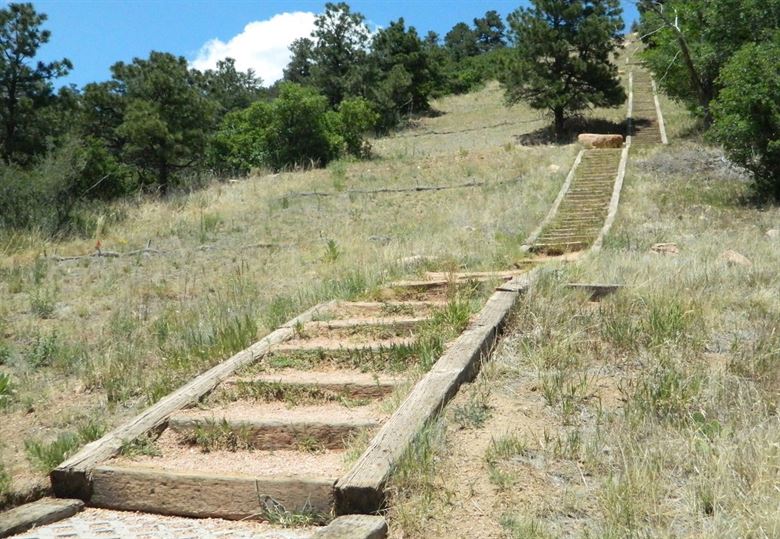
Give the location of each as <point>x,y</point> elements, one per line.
<point>592,140</point>
<point>553,168</point>
<point>773,233</point>
<point>665,248</point>
<point>733,258</point>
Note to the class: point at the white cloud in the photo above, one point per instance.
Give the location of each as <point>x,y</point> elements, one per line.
<point>262,46</point>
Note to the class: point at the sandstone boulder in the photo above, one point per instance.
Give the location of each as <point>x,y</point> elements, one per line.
<point>592,140</point>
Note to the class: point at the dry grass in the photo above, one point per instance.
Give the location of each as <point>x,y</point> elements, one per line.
<point>652,413</point>
<point>103,337</point>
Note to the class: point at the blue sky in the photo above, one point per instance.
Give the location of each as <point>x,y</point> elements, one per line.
<point>94,34</point>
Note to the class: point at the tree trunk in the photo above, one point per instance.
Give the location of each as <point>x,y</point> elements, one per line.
<point>703,97</point>
<point>163,178</point>
<point>560,121</point>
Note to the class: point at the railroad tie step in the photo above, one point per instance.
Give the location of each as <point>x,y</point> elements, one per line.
<point>381,309</point>
<point>291,384</point>
<point>207,494</point>
<point>558,247</point>
<point>275,434</point>
<point>475,275</point>
<point>307,354</point>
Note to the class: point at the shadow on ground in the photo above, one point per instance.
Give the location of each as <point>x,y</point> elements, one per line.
<point>575,126</point>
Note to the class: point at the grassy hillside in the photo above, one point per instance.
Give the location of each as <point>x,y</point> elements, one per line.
<point>88,341</point>
<point>651,413</point>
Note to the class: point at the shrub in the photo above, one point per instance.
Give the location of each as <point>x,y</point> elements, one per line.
<point>47,456</point>
<point>357,116</point>
<point>296,129</point>
<point>747,114</point>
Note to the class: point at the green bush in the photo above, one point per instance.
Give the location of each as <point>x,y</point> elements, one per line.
<point>298,128</point>
<point>356,117</point>
<point>747,114</point>
<point>51,196</point>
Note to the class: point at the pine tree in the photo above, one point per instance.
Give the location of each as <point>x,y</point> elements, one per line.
<point>25,87</point>
<point>341,39</point>
<point>561,57</point>
<point>299,68</point>
<point>490,31</point>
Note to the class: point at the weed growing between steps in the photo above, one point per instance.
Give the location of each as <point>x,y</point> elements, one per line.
<point>215,435</point>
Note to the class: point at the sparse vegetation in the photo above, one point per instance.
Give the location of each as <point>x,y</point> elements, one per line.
<point>640,413</point>
<point>650,412</point>
<point>46,456</point>
<point>215,435</point>
<point>6,390</point>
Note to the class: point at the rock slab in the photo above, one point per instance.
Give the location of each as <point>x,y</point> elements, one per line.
<point>593,140</point>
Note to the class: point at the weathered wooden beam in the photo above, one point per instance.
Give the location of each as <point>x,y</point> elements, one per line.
<point>354,527</point>
<point>38,513</point>
<point>368,323</point>
<point>203,495</point>
<point>352,385</point>
<point>71,479</point>
<point>272,434</point>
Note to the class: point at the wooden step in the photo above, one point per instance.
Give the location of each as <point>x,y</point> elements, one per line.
<point>383,309</point>
<point>326,345</point>
<point>474,275</point>
<point>342,383</point>
<point>277,433</point>
<point>558,247</point>
<point>369,323</point>
<point>207,494</point>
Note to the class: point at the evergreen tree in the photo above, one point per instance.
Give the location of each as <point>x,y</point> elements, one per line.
<point>230,88</point>
<point>25,87</point>
<point>399,62</point>
<point>747,113</point>
<point>561,57</point>
<point>299,68</point>
<point>489,31</point>
<point>167,117</point>
<point>461,42</point>
<point>341,39</point>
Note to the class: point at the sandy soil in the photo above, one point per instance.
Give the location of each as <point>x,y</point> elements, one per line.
<point>246,410</point>
<point>382,309</point>
<point>183,458</point>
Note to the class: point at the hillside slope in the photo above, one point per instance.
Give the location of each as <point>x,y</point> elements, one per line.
<point>649,413</point>
<point>87,341</point>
